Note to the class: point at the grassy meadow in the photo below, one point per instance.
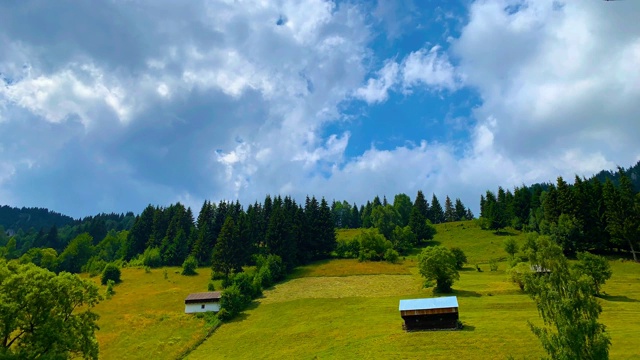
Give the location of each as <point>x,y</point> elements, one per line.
<point>342,308</point>
<point>145,318</point>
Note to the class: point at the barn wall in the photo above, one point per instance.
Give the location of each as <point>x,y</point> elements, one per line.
<point>427,322</point>
<point>197,307</point>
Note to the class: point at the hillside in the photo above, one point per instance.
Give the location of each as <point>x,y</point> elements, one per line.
<point>323,312</point>
<point>12,218</point>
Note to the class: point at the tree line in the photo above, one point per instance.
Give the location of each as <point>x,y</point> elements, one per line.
<point>588,215</point>
<point>298,233</point>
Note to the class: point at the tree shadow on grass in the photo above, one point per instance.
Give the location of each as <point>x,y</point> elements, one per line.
<point>505,233</point>
<point>465,293</point>
<point>618,298</point>
<point>243,315</point>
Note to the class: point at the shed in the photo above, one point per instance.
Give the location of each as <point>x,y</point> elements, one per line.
<point>202,302</point>
<point>430,313</point>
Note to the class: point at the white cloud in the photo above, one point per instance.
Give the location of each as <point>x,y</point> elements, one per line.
<point>376,90</point>
<point>558,78</point>
<point>78,90</point>
<point>429,68</point>
<point>425,68</point>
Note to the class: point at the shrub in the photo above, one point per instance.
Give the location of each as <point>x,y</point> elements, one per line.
<point>232,302</point>
<point>391,256</point>
<point>151,257</point>
<point>493,265</point>
<point>373,245</point>
<point>111,272</point>
<point>594,266</point>
<point>347,249</point>
<point>189,266</point>
<point>94,266</point>
<point>110,292</point>
<point>461,258</point>
<point>510,246</point>
<point>518,273</point>
<point>211,286</point>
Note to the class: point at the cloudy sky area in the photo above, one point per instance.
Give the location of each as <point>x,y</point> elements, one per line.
<point>112,105</point>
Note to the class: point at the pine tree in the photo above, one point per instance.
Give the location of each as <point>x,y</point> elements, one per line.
<point>140,233</point>
<point>436,214</point>
<point>460,210</point>
<point>327,231</point>
<point>226,257</point>
<point>449,210</point>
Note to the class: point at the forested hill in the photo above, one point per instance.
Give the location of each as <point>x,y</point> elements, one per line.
<point>633,173</point>
<point>12,218</point>
<point>601,213</point>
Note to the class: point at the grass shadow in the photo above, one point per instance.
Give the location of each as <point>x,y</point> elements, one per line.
<point>505,233</point>
<point>618,298</point>
<point>467,327</point>
<point>465,293</point>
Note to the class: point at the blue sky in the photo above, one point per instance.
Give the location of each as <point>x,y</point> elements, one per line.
<point>109,106</point>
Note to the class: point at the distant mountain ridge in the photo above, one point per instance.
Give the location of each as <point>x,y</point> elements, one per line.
<point>13,218</point>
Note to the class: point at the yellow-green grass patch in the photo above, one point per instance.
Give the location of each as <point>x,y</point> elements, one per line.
<point>349,267</point>
<point>145,318</point>
<point>358,317</point>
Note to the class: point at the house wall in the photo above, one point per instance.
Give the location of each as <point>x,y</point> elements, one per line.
<point>197,307</point>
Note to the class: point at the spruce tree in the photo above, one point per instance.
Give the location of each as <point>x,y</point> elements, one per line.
<point>449,210</point>
<point>436,214</point>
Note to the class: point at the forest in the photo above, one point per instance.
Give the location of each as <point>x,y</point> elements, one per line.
<point>600,214</point>
<point>159,236</point>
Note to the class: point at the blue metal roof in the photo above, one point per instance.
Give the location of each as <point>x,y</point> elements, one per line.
<point>430,303</point>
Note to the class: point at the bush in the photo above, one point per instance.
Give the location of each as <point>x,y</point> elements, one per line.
<point>151,257</point>
<point>518,273</point>
<point>232,302</point>
<point>110,292</point>
<point>211,286</point>
<point>94,266</point>
<point>391,256</point>
<point>461,258</point>
<point>373,245</point>
<point>493,265</point>
<point>189,266</point>
<point>111,272</point>
<point>347,249</point>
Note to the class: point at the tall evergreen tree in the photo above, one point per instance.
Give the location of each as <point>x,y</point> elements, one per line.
<point>449,210</point>
<point>140,233</point>
<point>436,214</point>
<point>226,257</point>
<point>460,210</point>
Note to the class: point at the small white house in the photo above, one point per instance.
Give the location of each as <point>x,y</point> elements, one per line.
<point>202,302</point>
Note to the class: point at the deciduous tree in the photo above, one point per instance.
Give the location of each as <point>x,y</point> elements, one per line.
<point>44,315</point>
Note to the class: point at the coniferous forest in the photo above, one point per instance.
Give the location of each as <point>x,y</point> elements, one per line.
<point>599,214</point>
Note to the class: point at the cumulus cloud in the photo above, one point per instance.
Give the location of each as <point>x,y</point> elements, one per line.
<point>109,107</point>
<point>559,77</point>
<point>424,68</point>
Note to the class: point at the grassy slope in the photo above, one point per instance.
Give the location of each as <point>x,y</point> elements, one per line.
<point>145,318</point>
<point>324,312</point>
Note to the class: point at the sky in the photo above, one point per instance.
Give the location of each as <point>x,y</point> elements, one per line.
<point>108,106</point>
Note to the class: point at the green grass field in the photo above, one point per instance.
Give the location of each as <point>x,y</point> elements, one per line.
<point>145,319</point>
<point>323,312</point>
<point>342,309</point>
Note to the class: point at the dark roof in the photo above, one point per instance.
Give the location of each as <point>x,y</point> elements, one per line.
<point>430,303</point>
<point>204,296</point>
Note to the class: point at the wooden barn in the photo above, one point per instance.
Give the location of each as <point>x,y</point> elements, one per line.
<point>430,314</point>
<point>202,302</point>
